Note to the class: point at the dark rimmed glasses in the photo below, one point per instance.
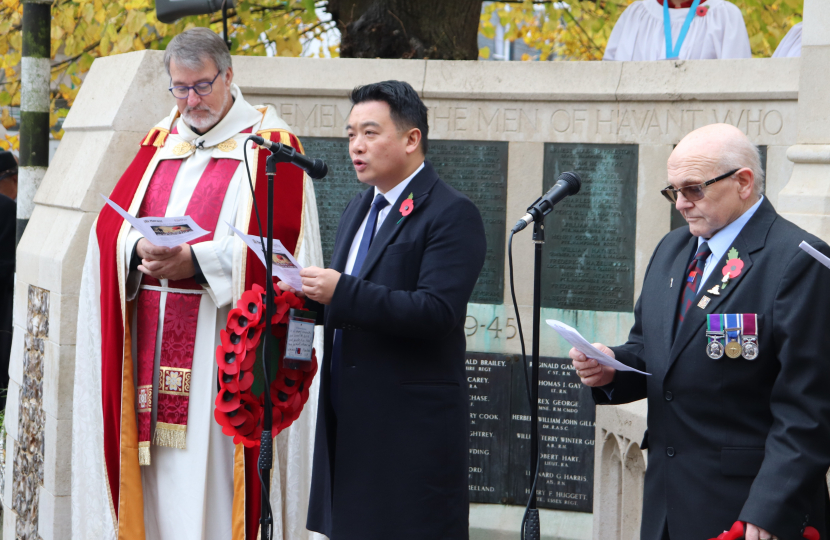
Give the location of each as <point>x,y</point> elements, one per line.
<point>201,89</point>
<point>694,192</point>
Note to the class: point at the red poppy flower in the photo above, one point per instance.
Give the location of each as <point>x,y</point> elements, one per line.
<point>228,362</point>
<point>253,337</point>
<point>733,268</point>
<point>237,322</point>
<point>227,401</point>
<point>702,11</point>
<point>232,342</point>
<point>407,206</point>
<point>251,306</point>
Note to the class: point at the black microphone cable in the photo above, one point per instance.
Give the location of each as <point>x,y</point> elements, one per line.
<point>524,370</point>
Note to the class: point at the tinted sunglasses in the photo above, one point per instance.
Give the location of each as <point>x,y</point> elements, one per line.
<point>694,192</point>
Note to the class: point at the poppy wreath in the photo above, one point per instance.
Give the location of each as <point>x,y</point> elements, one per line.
<point>238,410</point>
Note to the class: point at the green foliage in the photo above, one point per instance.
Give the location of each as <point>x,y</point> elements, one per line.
<point>579,29</point>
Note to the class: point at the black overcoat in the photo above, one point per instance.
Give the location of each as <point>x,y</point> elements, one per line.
<point>734,439</point>
<point>392,463</point>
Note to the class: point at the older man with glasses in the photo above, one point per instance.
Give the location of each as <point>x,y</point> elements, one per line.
<point>732,324</point>
<point>149,459</point>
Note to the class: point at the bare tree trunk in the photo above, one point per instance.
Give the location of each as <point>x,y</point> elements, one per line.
<point>438,29</point>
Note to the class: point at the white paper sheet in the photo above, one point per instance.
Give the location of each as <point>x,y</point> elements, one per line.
<point>816,254</point>
<point>572,336</point>
<point>162,231</point>
<point>284,265</point>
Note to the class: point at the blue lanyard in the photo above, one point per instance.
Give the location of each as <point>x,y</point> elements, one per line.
<point>675,53</point>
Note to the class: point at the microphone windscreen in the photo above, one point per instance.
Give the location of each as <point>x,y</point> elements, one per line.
<point>573,180</point>
<point>318,170</point>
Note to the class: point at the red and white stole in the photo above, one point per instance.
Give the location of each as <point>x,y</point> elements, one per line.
<point>181,311</point>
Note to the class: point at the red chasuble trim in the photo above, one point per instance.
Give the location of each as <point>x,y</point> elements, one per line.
<point>288,216</point>
<point>112,322</point>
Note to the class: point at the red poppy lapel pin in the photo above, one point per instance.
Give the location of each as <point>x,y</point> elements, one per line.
<point>732,269</point>
<point>407,206</point>
<point>702,11</point>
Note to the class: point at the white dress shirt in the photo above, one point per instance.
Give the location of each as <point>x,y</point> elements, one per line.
<point>722,240</point>
<point>391,196</point>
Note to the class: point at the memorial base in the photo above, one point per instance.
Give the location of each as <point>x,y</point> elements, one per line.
<point>503,522</point>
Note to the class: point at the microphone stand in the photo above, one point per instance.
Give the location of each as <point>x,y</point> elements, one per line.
<point>532,526</point>
<point>266,449</point>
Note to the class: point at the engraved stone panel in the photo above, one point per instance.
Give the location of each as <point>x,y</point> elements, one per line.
<point>566,433</point>
<point>476,168</point>
<point>334,191</point>
<point>589,249</point>
<point>489,378</point>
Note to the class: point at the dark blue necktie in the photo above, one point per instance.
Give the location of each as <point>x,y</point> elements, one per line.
<point>378,204</point>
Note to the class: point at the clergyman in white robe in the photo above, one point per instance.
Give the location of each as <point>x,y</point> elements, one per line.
<point>202,505</point>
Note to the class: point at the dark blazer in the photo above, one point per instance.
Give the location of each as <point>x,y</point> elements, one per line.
<point>734,439</point>
<point>8,236</point>
<point>393,462</point>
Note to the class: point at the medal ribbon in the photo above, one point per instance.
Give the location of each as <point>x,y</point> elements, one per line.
<point>672,53</point>
<point>714,324</point>
<point>750,324</point>
<point>733,327</point>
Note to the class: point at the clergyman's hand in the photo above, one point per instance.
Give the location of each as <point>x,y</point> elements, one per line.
<point>754,532</point>
<point>165,263</point>
<point>591,372</point>
<point>286,287</point>
<point>319,283</point>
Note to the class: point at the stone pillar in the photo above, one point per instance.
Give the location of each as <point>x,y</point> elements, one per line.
<point>103,131</point>
<point>805,200</point>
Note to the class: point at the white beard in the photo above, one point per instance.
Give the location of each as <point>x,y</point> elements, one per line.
<point>205,121</point>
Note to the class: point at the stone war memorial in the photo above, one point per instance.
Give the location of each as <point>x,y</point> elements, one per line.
<point>501,133</point>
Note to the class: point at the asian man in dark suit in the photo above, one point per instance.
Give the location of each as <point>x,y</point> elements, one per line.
<point>390,455</point>
<point>732,324</point>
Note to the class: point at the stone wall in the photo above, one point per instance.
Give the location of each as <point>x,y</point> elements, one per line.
<point>651,105</point>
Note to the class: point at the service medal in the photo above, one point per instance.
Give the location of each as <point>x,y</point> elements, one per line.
<point>715,350</point>
<point>749,350</point>
<point>714,333</point>
<point>733,335</point>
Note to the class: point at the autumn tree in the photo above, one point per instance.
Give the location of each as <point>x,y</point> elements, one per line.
<point>83,30</point>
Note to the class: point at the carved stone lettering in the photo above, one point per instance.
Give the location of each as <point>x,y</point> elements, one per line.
<point>489,425</point>
<point>590,238</point>
<point>566,434</point>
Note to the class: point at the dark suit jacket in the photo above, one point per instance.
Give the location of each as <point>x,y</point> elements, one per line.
<point>734,439</point>
<point>393,462</point>
<point>8,236</point>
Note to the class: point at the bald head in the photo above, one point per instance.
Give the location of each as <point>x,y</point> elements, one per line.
<point>709,153</point>
<point>724,148</point>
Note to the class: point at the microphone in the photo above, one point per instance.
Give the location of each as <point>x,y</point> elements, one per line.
<point>567,184</point>
<point>316,168</point>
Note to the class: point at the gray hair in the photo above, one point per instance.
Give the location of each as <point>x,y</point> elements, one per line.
<point>742,153</point>
<point>192,47</point>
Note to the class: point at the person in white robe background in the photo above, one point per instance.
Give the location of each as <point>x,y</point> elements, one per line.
<point>716,30</point>
<point>189,493</point>
<point>790,46</point>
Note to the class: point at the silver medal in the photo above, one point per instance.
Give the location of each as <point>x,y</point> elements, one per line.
<point>715,350</point>
<point>750,349</point>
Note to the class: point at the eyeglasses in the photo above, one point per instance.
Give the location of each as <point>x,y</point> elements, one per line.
<point>201,89</point>
<point>694,192</point>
